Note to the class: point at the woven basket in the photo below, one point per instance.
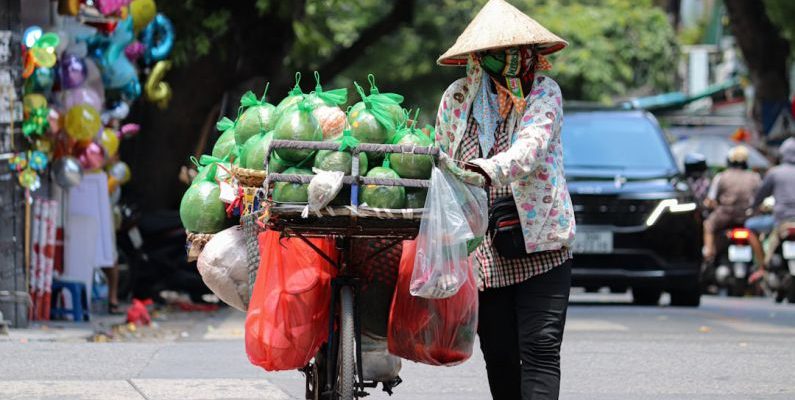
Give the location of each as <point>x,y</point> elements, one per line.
<point>248,177</point>
<point>196,243</point>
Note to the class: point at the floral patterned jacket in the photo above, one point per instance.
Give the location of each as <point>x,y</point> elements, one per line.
<point>533,165</point>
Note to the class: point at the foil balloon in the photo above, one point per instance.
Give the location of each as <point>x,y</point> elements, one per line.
<point>108,7</point>
<point>82,122</point>
<point>73,71</point>
<point>32,101</point>
<point>120,171</point>
<point>78,96</point>
<point>41,53</point>
<point>31,35</point>
<point>156,90</point>
<point>142,13</point>
<point>117,70</point>
<point>119,111</point>
<point>38,161</point>
<point>43,144</point>
<point>40,80</point>
<point>54,120</point>
<point>134,51</point>
<point>90,155</point>
<point>158,37</point>
<point>29,179</point>
<point>94,78</point>
<point>129,130</point>
<point>67,172</point>
<point>109,141</point>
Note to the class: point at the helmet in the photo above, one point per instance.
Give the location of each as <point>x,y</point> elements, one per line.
<point>738,155</point>
<point>695,163</point>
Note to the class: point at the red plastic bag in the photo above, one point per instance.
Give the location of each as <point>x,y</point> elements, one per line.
<point>432,331</point>
<point>288,316</point>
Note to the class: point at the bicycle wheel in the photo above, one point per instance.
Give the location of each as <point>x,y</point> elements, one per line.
<point>347,350</point>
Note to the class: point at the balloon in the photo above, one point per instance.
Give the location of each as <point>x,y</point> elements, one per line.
<point>129,130</point>
<point>109,141</point>
<point>158,37</point>
<point>134,51</point>
<point>31,35</point>
<point>29,179</point>
<point>94,78</point>
<point>108,7</point>
<point>32,101</point>
<point>54,119</point>
<point>73,71</point>
<point>67,172</point>
<point>82,122</point>
<point>90,155</point>
<point>38,161</point>
<point>156,90</point>
<point>78,96</point>
<point>40,81</point>
<point>120,171</point>
<point>119,111</point>
<point>142,12</point>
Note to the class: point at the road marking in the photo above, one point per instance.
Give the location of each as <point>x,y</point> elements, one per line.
<point>593,325</point>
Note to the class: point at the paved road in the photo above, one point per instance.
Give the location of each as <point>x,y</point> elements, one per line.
<point>726,349</point>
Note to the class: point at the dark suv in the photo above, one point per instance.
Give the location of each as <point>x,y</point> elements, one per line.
<point>637,225</point>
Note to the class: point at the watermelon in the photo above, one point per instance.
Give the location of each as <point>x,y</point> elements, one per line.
<point>253,152</point>
<point>412,166</point>
<point>329,160</point>
<point>415,197</point>
<point>201,209</point>
<point>225,144</point>
<point>277,165</point>
<point>256,119</point>
<point>383,196</point>
<point>297,124</point>
<point>285,192</point>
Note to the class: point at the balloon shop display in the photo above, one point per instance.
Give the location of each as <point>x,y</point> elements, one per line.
<point>80,79</point>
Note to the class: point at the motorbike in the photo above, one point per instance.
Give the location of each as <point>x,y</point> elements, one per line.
<point>781,270</point>
<point>734,261</point>
<point>152,257</point>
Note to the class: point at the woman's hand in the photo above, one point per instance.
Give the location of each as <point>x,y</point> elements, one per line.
<point>468,173</point>
<point>477,169</point>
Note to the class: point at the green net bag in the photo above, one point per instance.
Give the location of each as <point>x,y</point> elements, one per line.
<point>341,160</point>
<point>277,165</point>
<point>252,154</point>
<point>221,168</point>
<point>258,116</point>
<point>201,210</point>
<point>383,196</point>
<point>294,96</point>
<point>286,192</point>
<point>327,109</point>
<point>225,144</point>
<point>412,166</point>
<point>375,119</point>
<point>297,123</point>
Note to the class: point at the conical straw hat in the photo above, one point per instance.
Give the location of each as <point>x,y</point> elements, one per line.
<point>498,25</point>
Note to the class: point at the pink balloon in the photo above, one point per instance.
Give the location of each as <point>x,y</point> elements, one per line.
<point>90,155</point>
<point>134,51</point>
<point>82,95</point>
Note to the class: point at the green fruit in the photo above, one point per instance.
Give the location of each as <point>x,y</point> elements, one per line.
<point>296,124</point>
<point>383,196</point>
<point>287,103</point>
<point>286,192</point>
<point>415,197</point>
<point>277,165</point>
<point>365,127</point>
<point>254,120</point>
<point>253,153</point>
<point>204,171</point>
<point>329,160</point>
<point>201,209</point>
<point>412,166</point>
<point>225,143</point>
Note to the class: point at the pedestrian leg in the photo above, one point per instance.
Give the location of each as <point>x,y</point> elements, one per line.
<point>499,342</point>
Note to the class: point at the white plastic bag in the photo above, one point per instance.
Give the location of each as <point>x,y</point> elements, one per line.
<point>223,265</point>
<point>323,188</point>
<point>440,266</point>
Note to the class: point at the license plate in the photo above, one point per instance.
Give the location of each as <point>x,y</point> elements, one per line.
<point>788,248</point>
<point>740,253</point>
<point>740,270</point>
<point>135,237</point>
<point>593,243</point>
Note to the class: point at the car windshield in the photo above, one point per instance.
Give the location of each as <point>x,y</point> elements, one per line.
<point>595,141</point>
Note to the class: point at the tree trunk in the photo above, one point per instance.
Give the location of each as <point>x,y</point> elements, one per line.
<point>765,52</point>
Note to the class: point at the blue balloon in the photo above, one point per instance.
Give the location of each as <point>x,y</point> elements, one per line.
<point>41,81</point>
<point>158,38</point>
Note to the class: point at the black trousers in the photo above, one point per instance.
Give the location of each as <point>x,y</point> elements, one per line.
<point>521,330</point>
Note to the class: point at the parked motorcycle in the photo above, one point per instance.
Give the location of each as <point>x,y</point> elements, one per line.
<point>734,261</point>
<point>781,270</point>
<point>152,256</point>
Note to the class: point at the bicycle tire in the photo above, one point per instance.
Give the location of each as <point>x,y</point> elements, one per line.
<point>347,346</point>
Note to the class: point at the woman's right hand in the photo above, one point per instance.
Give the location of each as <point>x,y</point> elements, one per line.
<point>474,176</point>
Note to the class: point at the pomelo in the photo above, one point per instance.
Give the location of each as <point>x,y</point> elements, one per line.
<point>286,192</point>
<point>201,209</point>
<point>297,124</point>
<point>412,166</point>
<point>256,119</point>
<point>383,196</point>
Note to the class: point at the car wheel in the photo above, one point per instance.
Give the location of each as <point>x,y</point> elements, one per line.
<point>646,296</point>
<point>686,297</point>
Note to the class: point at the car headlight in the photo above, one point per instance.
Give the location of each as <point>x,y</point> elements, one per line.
<point>670,205</point>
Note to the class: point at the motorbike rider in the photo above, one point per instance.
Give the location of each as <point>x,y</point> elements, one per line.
<point>780,183</point>
<point>698,178</point>
<point>730,196</point>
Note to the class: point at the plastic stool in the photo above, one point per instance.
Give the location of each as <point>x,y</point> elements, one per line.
<point>77,290</point>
